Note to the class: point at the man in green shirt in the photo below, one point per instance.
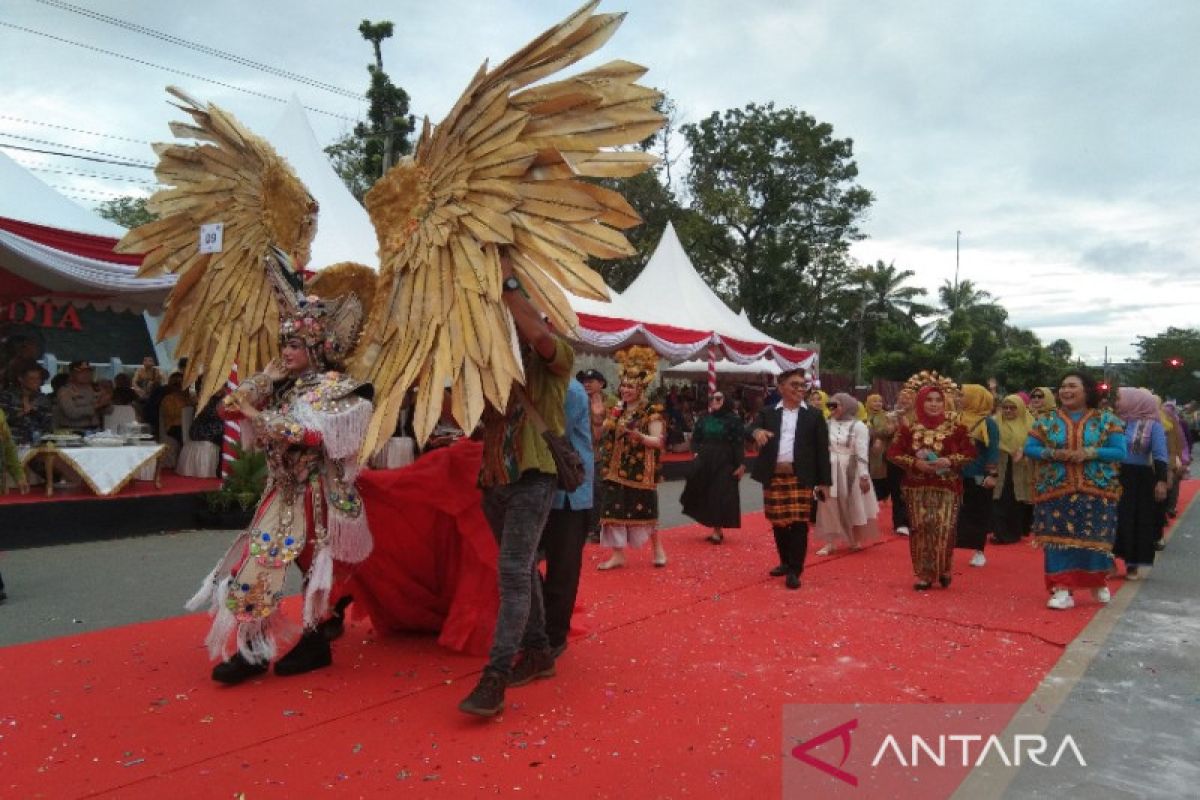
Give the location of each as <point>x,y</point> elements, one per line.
<point>519,480</point>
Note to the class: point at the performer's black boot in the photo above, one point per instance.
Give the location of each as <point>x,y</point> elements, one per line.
<point>311,652</point>
<point>335,626</point>
<point>236,670</point>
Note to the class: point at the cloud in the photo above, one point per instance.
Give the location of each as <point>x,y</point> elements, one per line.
<point>1129,258</point>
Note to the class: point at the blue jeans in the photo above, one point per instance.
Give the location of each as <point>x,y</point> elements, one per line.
<point>517,513</point>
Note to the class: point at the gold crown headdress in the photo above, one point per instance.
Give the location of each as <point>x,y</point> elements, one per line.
<point>329,321</point>
<point>927,377</point>
<point>637,365</point>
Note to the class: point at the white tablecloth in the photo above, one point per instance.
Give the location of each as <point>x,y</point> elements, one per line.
<point>107,469</point>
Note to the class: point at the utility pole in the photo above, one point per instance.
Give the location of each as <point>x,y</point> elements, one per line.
<point>957,238</point>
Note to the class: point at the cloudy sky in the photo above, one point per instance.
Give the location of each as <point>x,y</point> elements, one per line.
<point>1058,137</point>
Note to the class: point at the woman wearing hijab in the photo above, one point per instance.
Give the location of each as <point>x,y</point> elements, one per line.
<point>1144,477</point>
<point>979,477</point>
<point>932,450</point>
<point>1179,443</point>
<point>849,512</point>
<point>1077,450</point>
<point>817,399</point>
<point>902,413</point>
<point>882,429</point>
<point>1012,509</point>
<point>1041,401</point>
<point>711,495</point>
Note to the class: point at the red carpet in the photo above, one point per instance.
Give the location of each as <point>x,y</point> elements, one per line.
<point>171,484</point>
<point>677,692</point>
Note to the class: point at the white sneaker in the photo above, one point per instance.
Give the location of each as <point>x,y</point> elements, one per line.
<point>902,530</point>
<point>1103,595</point>
<point>978,560</point>
<point>826,550</point>
<point>1061,600</point>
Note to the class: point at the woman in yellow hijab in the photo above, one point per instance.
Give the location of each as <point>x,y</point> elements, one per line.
<point>1041,401</point>
<point>817,399</point>
<point>979,478</point>
<point>1013,495</point>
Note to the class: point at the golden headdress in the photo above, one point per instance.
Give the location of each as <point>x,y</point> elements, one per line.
<point>637,365</point>
<point>927,377</point>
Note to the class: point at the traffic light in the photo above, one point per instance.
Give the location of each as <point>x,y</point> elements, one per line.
<point>1173,362</point>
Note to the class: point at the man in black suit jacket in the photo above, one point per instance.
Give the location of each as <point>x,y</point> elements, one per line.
<point>792,474</point>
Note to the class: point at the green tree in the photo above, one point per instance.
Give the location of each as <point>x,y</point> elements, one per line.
<point>777,207</point>
<point>1170,382</point>
<point>362,156</point>
<point>128,212</point>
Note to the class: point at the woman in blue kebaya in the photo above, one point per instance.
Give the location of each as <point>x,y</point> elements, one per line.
<point>1143,482</point>
<point>1077,450</point>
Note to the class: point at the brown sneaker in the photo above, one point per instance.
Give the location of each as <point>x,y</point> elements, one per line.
<point>533,664</point>
<point>487,698</point>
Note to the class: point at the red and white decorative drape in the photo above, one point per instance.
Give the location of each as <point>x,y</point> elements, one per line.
<point>681,344</point>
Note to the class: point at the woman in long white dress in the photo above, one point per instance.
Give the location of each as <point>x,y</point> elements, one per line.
<point>847,517</point>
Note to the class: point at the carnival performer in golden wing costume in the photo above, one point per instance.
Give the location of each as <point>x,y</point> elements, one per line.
<point>501,173</point>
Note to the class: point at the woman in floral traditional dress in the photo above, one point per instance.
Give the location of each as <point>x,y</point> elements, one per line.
<point>1077,487</point>
<point>932,450</point>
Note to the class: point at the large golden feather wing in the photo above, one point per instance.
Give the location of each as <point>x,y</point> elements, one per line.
<point>503,170</point>
<point>225,307</point>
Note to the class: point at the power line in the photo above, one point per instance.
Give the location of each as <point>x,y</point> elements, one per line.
<point>116,160</point>
<point>97,192</point>
<point>106,176</point>
<point>73,130</point>
<point>192,75</point>
<point>36,140</point>
<point>201,48</point>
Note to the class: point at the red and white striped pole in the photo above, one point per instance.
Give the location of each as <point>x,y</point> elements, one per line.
<point>712,370</point>
<point>232,435</point>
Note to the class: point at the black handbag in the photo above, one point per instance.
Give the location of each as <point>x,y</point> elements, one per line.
<point>567,462</point>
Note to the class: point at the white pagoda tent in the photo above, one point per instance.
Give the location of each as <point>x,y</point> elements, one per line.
<point>671,308</point>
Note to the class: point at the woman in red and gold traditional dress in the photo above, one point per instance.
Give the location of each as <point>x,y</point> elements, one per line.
<point>932,450</point>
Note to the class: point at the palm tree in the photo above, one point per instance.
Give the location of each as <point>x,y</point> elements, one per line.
<point>887,298</point>
<point>956,300</point>
<point>884,297</point>
<point>961,297</point>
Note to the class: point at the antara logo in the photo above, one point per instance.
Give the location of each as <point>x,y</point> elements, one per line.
<point>965,750</point>
<point>801,751</point>
<point>1032,745</point>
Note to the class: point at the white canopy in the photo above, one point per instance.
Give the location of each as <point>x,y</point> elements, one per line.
<point>25,198</point>
<point>672,309</point>
<point>763,366</point>
<point>669,291</point>
<point>344,230</point>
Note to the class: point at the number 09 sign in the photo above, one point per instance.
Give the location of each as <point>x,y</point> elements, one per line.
<point>211,236</point>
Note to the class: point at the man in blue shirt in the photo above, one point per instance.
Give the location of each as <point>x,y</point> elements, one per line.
<point>567,529</point>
